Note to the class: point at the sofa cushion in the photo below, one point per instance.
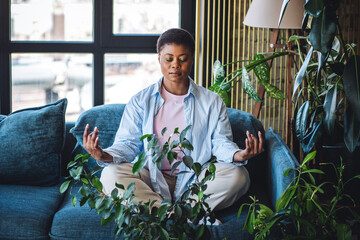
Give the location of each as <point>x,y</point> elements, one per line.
<point>88,223</point>
<point>31,143</point>
<point>240,123</point>
<point>281,159</point>
<point>27,211</point>
<point>106,118</point>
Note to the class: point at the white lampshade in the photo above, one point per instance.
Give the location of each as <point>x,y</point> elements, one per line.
<point>266,13</point>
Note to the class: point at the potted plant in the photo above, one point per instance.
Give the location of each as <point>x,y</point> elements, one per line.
<point>331,71</point>
<point>223,83</point>
<point>303,211</point>
<point>186,218</point>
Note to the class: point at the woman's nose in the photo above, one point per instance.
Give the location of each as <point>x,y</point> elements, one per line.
<point>175,64</point>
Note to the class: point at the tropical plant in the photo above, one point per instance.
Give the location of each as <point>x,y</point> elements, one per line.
<point>186,218</point>
<point>306,210</point>
<point>331,70</point>
<point>224,83</point>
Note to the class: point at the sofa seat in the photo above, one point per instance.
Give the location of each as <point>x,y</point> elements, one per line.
<point>27,211</point>
<point>79,222</point>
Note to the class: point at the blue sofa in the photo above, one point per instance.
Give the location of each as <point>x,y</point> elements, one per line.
<point>36,145</point>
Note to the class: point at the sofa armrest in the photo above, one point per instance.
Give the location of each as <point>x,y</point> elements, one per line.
<point>279,159</point>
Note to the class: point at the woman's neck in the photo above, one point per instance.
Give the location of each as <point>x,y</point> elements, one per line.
<point>177,88</point>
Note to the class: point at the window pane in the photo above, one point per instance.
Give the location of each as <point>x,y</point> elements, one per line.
<point>51,20</point>
<point>145,16</point>
<point>127,74</point>
<point>38,79</point>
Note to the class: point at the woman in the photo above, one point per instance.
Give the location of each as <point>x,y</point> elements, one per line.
<point>175,101</point>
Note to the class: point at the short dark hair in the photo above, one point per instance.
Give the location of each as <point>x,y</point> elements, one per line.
<point>178,36</point>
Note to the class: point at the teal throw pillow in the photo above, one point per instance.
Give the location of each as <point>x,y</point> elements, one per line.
<point>31,143</point>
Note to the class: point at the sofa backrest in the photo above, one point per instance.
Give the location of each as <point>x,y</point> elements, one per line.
<point>107,119</point>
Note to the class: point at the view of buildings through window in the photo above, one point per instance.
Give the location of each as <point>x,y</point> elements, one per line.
<point>40,78</point>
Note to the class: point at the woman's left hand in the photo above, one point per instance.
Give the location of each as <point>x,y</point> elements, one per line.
<point>253,148</point>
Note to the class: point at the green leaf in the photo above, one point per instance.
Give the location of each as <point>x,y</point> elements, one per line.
<point>187,145</point>
<point>139,164</point>
<point>300,75</point>
<point>119,186</point>
<point>64,186</point>
<point>352,84</point>
<point>200,231</point>
<point>129,190</point>
<point>73,200</point>
<point>105,221</point>
<point>248,87</point>
<point>301,121</point>
<point>218,71</point>
<point>273,91</point>
<point>97,184</point>
<point>329,108</point>
<point>200,195</point>
<point>174,166</point>
<point>188,161</point>
<point>99,202</point>
<point>163,131</point>
<point>146,136</point>
<point>197,168</point>
<point>309,157</point>
<point>76,172</point>
<point>313,137</point>
<point>84,180</point>
<point>84,190</point>
<point>343,232</point>
<point>262,70</point>
<point>212,168</point>
<point>184,132</point>
<point>323,30</point>
<point>351,129</point>
<point>114,193</point>
<point>314,7</point>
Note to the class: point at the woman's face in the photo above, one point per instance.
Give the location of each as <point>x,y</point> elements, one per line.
<point>175,62</point>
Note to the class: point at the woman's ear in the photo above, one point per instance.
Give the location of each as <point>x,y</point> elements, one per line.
<point>159,57</point>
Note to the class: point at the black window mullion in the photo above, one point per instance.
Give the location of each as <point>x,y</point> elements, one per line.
<point>5,84</point>
<point>98,58</point>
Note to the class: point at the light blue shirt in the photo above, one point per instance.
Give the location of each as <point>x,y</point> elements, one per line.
<point>210,133</point>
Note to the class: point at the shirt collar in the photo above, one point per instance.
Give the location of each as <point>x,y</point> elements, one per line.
<point>193,88</point>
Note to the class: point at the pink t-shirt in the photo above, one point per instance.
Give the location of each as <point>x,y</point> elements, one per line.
<point>171,115</point>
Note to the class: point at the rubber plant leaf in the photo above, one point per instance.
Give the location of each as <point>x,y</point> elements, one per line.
<point>351,129</point>
<point>351,81</point>
<point>321,62</point>
<point>314,7</point>
<point>248,87</point>
<point>305,21</point>
<point>323,29</point>
<point>218,71</point>
<point>301,121</point>
<point>282,11</point>
<point>312,138</point>
<point>301,73</point>
<point>273,91</point>
<point>262,70</point>
<point>330,108</point>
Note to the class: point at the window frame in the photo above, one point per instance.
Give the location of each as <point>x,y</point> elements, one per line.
<point>104,41</point>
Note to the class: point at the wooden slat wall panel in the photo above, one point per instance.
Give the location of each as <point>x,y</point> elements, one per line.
<point>222,35</point>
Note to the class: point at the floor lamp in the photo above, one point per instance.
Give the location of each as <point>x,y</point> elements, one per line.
<point>265,14</point>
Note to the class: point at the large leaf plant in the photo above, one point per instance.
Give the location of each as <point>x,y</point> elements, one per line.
<point>330,69</point>
<point>223,83</point>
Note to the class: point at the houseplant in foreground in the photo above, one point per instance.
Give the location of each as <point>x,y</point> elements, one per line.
<point>303,211</point>
<point>185,218</point>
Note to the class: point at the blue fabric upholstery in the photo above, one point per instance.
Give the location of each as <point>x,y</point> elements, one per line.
<point>107,119</point>
<point>240,123</point>
<point>281,160</point>
<point>27,211</point>
<point>87,222</point>
<point>31,142</point>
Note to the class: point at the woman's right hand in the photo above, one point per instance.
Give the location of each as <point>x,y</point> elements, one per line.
<point>91,145</point>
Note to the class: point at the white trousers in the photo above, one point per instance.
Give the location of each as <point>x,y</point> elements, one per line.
<point>230,183</point>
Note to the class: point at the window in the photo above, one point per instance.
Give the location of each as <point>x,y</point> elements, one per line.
<point>89,51</point>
